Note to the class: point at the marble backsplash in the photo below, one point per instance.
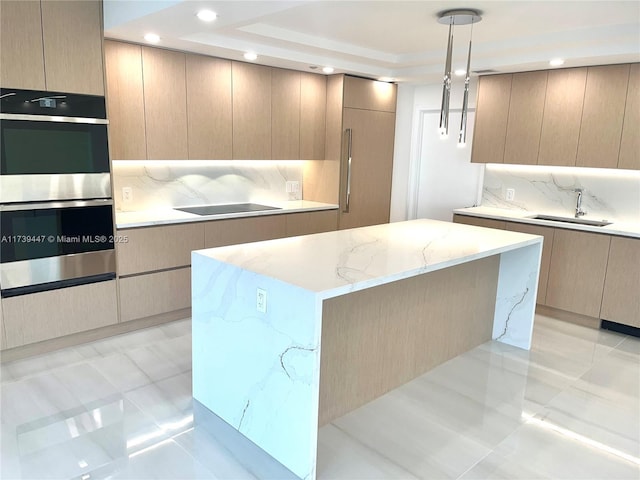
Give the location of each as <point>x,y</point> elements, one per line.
<point>158,184</point>
<point>608,194</point>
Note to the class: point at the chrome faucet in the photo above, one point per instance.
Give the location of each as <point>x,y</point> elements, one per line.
<point>579,211</point>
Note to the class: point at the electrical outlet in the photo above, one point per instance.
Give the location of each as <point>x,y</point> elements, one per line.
<point>511,194</point>
<point>293,187</point>
<point>127,194</point>
<point>261,300</point>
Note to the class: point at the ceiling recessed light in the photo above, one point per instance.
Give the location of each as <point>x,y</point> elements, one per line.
<point>460,72</point>
<point>556,62</point>
<point>250,56</point>
<point>327,69</point>
<point>207,15</point>
<point>152,38</point>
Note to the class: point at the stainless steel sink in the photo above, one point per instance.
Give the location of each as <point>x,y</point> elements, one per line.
<point>580,221</point>
<point>227,208</point>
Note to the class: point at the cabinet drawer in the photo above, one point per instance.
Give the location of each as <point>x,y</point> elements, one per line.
<point>480,222</point>
<point>46,315</point>
<point>154,293</point>
<point>311,222</point>
<point>243,230</point>
<point>157,248</point>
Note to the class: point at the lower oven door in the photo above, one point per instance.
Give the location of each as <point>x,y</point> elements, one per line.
<point>50,245</point>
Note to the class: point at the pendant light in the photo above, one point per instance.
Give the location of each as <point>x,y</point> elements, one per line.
<point>453,18</point>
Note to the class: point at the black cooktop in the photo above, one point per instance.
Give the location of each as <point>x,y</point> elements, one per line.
<point>228,208</point>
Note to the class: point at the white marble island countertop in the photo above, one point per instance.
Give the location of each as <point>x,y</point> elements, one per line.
<point>169,215</point>
<point>624,228</point>
<point>261,316</point>
<point>339,262</point>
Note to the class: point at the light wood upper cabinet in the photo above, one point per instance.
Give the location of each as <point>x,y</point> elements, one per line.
<point>547,245</point>
<point>72,35</point>
<point>561,119</point>
<point>285,114</point>
<point>21,55</point>
<point>525,117</point>
<point>602,116</point>
<point>125,103</point>
<point>577,271</point>
<point>251,111</point>
<point>621,298</point>
<point>209,113</point>
<point>630,143</point>
<point>165,104</point>
<point>492,113</point>
<point>369,95</point>
<point>313,105</point>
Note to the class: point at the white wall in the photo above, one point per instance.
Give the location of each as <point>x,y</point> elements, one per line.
<point>457,183</point>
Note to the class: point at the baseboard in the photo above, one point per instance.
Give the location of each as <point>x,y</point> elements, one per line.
<point>620,328</point>
<point>578,319</point>
<point>79,338</point>
<point>252,457</point>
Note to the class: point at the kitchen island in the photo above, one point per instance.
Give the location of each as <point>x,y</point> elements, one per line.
<point>290,334</point>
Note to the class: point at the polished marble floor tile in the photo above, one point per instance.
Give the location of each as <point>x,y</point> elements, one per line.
<point>121,408</point>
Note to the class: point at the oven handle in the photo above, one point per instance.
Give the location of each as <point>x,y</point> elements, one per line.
<point>15,207</point>
<point>52,118</point>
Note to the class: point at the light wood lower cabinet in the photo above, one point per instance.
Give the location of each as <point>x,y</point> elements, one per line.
<point>157,248</point>
<point>621,298</point>
<point>547,245</point>
<point>154,293</point>
<point>479,221</point>
<point>311,222</point>
<point>41,316</point>
<point>243,230</point>
<point>577,271</point>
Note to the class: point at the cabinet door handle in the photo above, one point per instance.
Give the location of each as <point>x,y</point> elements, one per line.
<point>348,192</point>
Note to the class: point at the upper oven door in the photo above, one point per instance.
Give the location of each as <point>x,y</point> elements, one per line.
<point>53,147</point>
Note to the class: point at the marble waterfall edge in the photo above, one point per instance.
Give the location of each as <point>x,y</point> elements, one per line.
<point>259,372</point>
<point>516,296</point>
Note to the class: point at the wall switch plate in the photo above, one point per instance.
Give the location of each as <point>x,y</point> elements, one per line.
<point>127,194</point>
<point>511,194</point>
<point>261,300</point>
<point>293,187</point>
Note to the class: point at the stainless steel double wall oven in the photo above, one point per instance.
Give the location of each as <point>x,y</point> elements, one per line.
<point>56,210</point>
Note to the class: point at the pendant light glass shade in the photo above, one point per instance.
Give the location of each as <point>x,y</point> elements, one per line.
<point>446,87</point>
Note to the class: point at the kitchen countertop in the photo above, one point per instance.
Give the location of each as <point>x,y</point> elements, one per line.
<point>169,216</point>
<point>345,261</point>
<point>625,229</point>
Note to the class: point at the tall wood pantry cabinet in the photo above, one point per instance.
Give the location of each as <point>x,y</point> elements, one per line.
<point>360,133</point>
